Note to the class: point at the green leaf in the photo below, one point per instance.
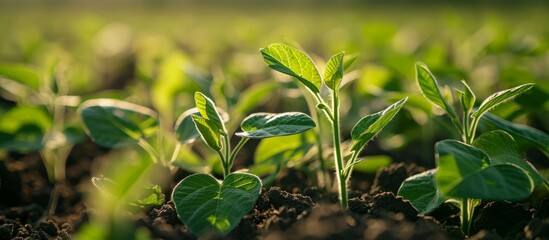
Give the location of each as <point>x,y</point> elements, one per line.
<point>334,71</point>
<point>467,98</point>
<point>207,110</point>
<point>501,148</point>
<point>115,123</point>
<point>264,125</point>
<point>464,171</point>
<point>204,204</point>
<point>422,191</point>
<point>208,131</point>
<point>280,150</point>
<point>185,129</point>
<point>20,74</point>
<point>290,61</point>
<point>23,128</point>
<point>369,126</point>
<point>536,137</point>
<point>254,96</point>
<point>499,98</point>
<point>429,87</point>
<point>153,196</point>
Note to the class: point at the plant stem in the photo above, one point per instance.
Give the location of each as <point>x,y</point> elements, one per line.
<point>236,150</point>
<point>54,199</point>
<point>325,177</point>
<point>318,137</point>
<point>342,183</point>
<point>176,151</point>
<point>466,214</point>
<point>149,149</point>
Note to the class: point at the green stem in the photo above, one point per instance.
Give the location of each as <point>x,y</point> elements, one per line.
<point>318,137</point>
<point>325,177</point>
<point>225,159</point>
<point>466,214</point>
<point>236,150</point>
<point>175,152</point>
<point>342,181</point>
<point>473,128</point>
<point>149,149</point>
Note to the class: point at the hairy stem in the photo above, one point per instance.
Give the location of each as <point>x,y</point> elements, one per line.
<point>342,181</point>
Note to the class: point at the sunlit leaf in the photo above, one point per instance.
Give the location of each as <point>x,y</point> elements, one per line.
<point>209,131</point>
<point>369,126</point>
<point>333,74</point>
<point>264,125</point>
<point>430,89</point>
<point>290,61</point>
<point>115,123</point>
<point>205,204</point>
<point>499,98</point>
<point>467,98</point>
<point>207,110</point>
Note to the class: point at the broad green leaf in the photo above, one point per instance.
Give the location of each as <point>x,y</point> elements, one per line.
<point>23,128</point>
<point>290,61</point>
<point>464,171</point>
<point>209,132</point>
<point>205,204</point>
<point>422,191</point>
<point>254,96</point>
<point>501,148</point>
<point>207,110</point>
<point>467,98</point>
<point>536,137</point>
<point>280,150</point>
<point>185,130</point>
<point>334,71</point>
<point>20,74</point>
<point>264,125</point>
<point>369,126</point>
<point>115,123</point>
<point>429,87</point>
<point>499,98</point>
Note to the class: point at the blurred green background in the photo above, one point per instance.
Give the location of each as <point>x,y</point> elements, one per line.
<point>157,53</point>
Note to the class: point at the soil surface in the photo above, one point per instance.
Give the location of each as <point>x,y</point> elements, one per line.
<point>295,210</point>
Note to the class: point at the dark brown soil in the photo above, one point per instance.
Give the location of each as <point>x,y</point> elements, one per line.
<point>295,210</point>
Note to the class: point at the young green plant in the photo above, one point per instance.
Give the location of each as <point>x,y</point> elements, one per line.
<point>293,62</point>
<point>204,203</point>
<point>28,127</point>
<point>489,167</point>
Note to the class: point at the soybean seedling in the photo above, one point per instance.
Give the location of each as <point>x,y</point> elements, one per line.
<point>28,127</point>
<point>202,202</point>
<point>489,167</point>
<point>205,203</point>
<point>292,62</point>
